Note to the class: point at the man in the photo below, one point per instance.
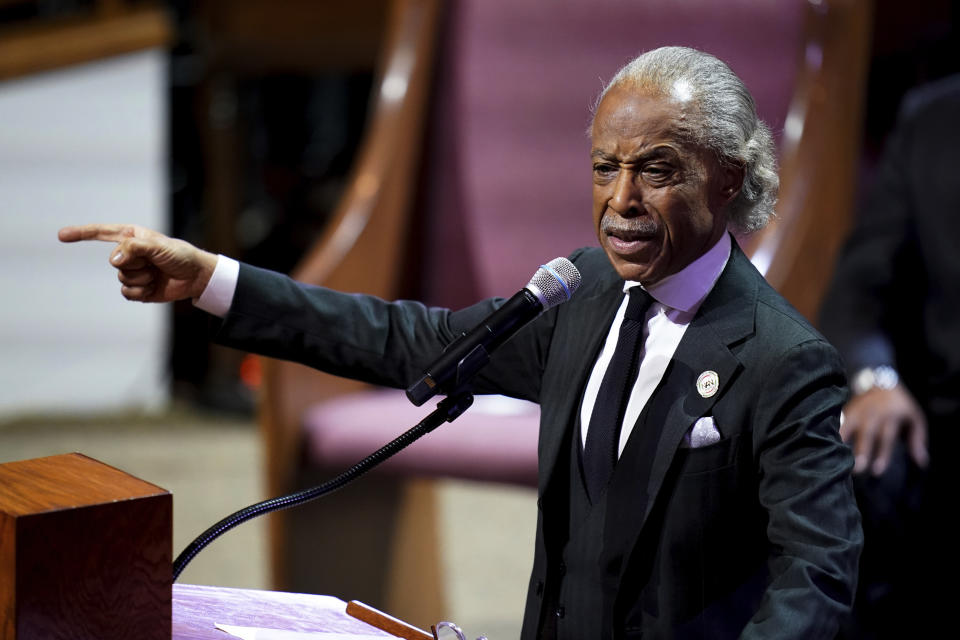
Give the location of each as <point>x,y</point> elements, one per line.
<point>891,310</point>
<point>705,495</point>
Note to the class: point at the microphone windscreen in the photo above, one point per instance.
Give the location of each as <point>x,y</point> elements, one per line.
<point>554,282</point>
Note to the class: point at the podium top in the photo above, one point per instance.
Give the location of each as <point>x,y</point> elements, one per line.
<point>197,609</point>
<point>66,481</point>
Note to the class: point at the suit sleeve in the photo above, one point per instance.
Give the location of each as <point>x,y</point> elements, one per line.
<point>366,338</point>
<point>860,310</point>
<point>805,488</point>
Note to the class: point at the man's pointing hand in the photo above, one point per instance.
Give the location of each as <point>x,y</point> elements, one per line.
<point>152,267</point>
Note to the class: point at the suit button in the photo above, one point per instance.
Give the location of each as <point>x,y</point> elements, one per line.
<point>539,588</point>
<point>561,611</point>
<point>562,569</point>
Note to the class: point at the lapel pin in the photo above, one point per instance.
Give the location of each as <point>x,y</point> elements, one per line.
<point>707,384</point>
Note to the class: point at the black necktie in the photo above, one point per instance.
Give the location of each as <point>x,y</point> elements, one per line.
<point>603,434</point>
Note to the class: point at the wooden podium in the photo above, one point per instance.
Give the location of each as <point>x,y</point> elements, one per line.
<point>85,552</point>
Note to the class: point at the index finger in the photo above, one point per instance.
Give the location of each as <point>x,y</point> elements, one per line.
<point>104,232</point>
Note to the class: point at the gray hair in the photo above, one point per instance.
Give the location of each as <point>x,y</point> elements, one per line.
<point>723,119</point>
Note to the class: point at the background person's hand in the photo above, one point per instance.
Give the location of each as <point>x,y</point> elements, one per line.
<point>873,422</point>
<point>152,267</point>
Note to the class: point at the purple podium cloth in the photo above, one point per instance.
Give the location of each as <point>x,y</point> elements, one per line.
<point>196,609</point>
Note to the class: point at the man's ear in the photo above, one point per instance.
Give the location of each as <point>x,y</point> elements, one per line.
<point>730,181</point>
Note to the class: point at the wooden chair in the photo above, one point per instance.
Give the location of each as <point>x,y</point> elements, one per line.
<point>435,209</point>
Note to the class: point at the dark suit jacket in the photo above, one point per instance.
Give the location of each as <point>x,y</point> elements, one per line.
<point>895,295</point>
<point>757,534</point>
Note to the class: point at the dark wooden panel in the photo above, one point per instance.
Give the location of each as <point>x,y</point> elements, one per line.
<point>261,36</point>
<point>47,45</point>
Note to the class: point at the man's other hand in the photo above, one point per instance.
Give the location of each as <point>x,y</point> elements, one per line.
<point>152,267</point>
<point>873,422</point>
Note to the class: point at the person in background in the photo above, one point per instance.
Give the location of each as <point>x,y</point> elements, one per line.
<point>891,310</point>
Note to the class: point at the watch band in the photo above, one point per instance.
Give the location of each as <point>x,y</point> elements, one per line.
<point>882,377</point>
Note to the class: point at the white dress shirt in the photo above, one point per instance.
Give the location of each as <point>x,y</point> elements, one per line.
<point>676,300</point>
<point>218,296</point>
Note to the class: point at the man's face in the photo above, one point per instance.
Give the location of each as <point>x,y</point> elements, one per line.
<point>658,200</point>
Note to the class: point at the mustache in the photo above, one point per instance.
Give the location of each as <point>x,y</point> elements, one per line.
<point>628,228</point>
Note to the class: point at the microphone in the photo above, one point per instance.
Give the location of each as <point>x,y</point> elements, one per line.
<point>552,284</point>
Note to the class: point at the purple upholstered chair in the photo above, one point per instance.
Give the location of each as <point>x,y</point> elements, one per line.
<point>504,186</point>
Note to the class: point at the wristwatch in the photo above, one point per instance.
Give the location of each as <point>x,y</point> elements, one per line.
<point>882,377</point>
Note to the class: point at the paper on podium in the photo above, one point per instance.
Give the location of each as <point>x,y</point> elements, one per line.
<point>255,633</point>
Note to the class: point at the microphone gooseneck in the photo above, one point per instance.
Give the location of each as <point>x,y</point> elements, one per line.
<point>448,410</point>
<point>552,284</point>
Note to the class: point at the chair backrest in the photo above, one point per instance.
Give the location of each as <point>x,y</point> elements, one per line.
<point>507,177</point>
<point>500,191</point>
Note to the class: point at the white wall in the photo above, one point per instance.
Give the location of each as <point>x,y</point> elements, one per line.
<point>83,144</point>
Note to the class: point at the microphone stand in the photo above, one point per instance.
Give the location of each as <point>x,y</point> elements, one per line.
<point>448,410</point>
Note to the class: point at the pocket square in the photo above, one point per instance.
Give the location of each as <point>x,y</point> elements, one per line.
<point>703,433</point>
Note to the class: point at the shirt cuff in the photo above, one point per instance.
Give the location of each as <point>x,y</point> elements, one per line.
<point>218,296</point>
